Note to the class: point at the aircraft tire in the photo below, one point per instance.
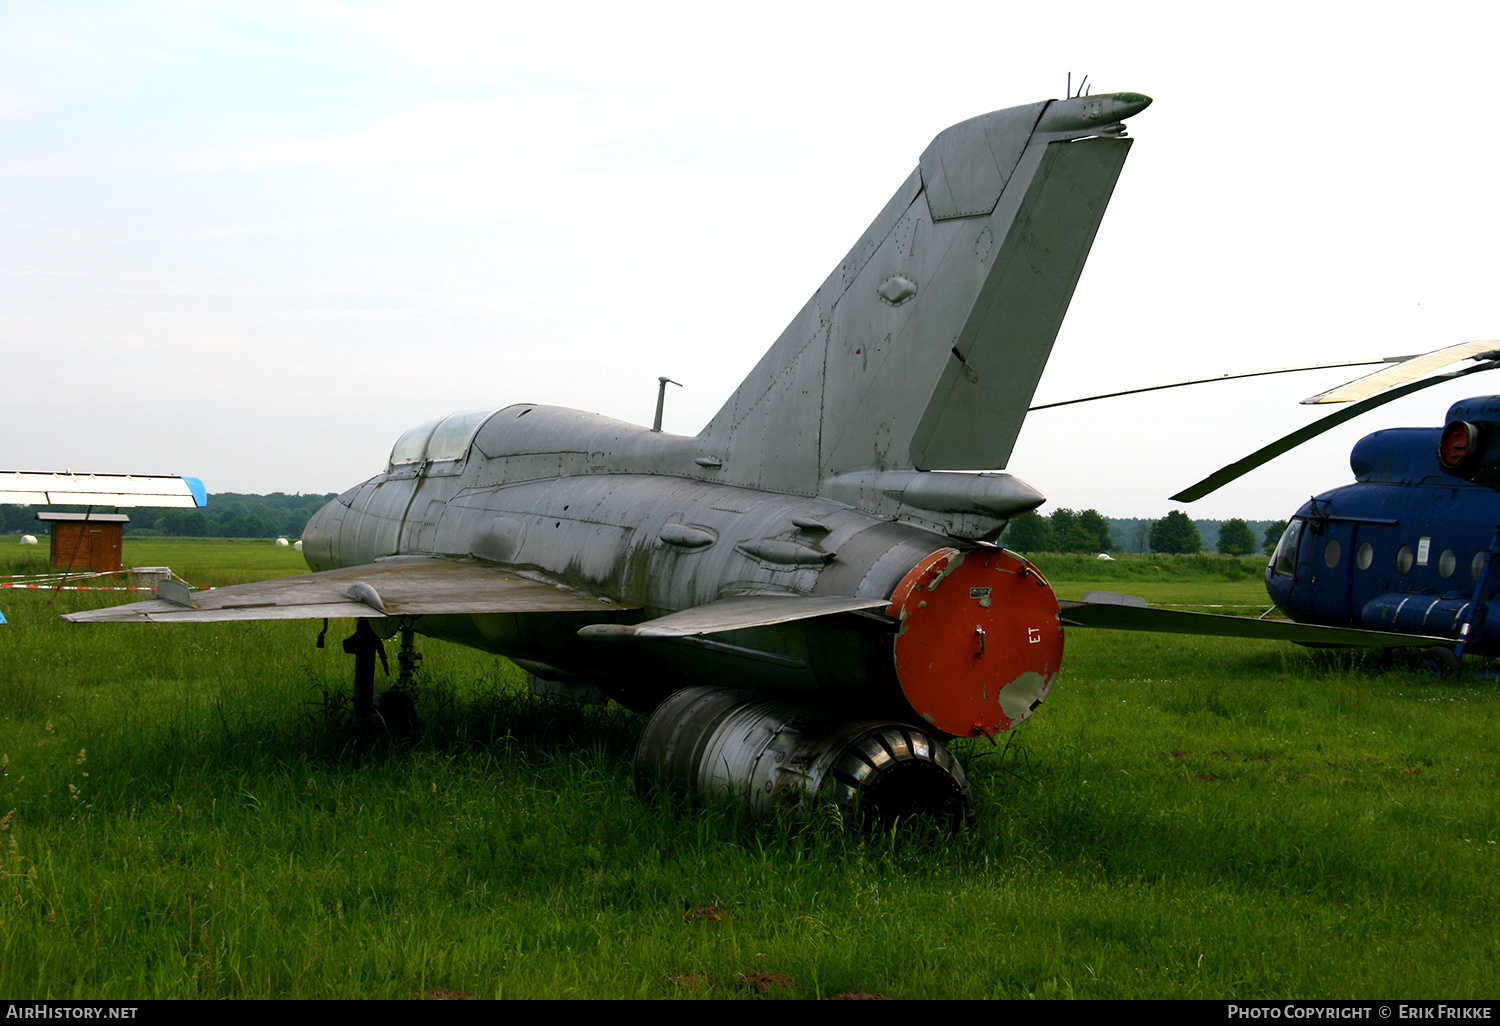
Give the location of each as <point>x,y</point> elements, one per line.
<point>1441,661</point>
<point>398,712</point>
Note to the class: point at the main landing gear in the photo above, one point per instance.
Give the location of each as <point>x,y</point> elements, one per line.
<point>392,713</point>
<point>1441,661</point>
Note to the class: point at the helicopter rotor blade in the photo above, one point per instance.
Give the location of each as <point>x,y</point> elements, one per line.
<point>1286,443</point>
<point>1409,369</point>
<point>1398,360</point>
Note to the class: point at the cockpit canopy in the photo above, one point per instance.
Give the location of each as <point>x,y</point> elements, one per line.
<point>446,439</point>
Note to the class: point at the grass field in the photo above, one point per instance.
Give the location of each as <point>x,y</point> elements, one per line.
<point>180,816</point>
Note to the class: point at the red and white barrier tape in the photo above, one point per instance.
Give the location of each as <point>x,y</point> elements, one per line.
<point>55,582</point>
<point>64,576</point>
<point>71,587</point>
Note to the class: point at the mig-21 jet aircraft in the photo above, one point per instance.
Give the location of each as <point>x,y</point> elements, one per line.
<point>807,596</point>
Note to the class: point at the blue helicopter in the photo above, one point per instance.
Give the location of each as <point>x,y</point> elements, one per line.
<point>1411,546</point>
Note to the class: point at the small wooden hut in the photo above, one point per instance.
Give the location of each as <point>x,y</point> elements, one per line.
<point>86,541</point>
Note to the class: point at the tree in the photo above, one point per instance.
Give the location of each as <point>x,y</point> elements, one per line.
<point>1065,530</point>
<point>181,523</point>
<point>1030,532</point>
<point>1142,535</point>
<point>1080,532</point>
<point>17,520</point>
<point>1175,533</point>
<point>1067,536</point>
<point>1093,522</point>
<point>1236,538</point>
<point>1273,535</point>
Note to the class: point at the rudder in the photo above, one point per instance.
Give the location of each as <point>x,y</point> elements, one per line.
<point>923,348</point>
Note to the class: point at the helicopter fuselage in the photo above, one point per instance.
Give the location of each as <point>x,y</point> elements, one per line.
<point>1405,548</point>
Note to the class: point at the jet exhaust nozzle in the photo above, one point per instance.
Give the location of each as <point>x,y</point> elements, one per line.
<point>709,743</point>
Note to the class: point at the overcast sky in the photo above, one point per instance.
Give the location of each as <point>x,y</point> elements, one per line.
<point>255,242</point>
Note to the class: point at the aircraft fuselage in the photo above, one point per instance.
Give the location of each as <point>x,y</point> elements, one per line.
<point>636,515</point>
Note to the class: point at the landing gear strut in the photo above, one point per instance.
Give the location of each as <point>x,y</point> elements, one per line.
<point>398,706</point>
<point>394,710</point>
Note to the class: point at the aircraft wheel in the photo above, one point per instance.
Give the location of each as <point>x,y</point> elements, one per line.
<point>398,712</point>
<point>1441,662</point>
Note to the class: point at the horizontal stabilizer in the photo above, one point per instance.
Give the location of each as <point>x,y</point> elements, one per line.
<point>401,586</point>
<point>733,614</point>
<point>1114,615</point>
<point>1112,598</point>
<point>42,489</point>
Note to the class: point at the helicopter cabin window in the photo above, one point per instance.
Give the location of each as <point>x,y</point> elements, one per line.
<point>1331,553</point>
<point>1404,559</point>
<point>1284,560</point>
<point>1365,556</point>
<point>1447,563</point>
<point>1476,567</point>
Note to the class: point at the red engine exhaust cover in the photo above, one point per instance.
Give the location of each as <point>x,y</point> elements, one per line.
<point>980,643</point>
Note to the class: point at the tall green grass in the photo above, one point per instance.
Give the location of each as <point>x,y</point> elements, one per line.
<point>182,815</point>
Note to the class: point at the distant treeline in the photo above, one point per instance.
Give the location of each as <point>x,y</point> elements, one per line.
<point>1066,530</point>
<point>1134,535</point>
<point>278,515</point>
<point>228,515</point>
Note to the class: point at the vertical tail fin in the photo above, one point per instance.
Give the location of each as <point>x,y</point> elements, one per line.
<point>923,348</point>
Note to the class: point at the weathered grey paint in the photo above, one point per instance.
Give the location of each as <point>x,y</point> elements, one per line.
<point>923,348</point>
<point>403,586</point>
<point>761,553</point>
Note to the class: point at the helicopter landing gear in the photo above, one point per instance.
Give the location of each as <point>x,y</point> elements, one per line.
<point>1441,662</point>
